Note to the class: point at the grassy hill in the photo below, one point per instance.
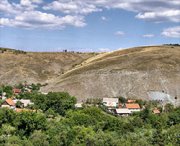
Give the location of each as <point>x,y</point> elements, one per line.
<point>129,73</point>
<point>18,66</point>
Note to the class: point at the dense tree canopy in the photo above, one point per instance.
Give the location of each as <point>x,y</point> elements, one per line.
<point>56,122</point>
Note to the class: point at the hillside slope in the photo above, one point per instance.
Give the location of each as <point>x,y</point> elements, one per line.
<point>129,73</point>
<point>16,66</point>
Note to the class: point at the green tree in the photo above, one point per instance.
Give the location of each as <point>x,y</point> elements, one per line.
<point>60,102</point>
<point>7,116</point>
<point>19,104</point>
<point>7,130</point>
<point>122,100</point>
<point>158,138</point>
<point>172,135</point>
<point>38,138</point>
<point>174,117</point>
<point>168,107</point>
<point>8,90</point>
<point>84,136</point>
<point>28,122</point>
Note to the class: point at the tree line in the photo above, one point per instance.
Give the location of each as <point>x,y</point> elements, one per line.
<point>54,121</point>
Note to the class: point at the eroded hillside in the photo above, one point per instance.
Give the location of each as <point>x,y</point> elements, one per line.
<point>129,73</point>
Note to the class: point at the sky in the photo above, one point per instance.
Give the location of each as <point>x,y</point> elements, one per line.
<point>88,25</point>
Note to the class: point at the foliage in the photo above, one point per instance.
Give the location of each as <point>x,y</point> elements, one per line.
<point>28,122</point>
<point>7,90</point>
<point>122,100</point>
<point>57,123</point>
<point>19,52</point>
<point>19,104</point>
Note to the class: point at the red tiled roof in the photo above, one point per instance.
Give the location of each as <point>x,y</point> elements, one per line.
<point>10,102</point>
<point>132,106</point>
<point>17,90</point>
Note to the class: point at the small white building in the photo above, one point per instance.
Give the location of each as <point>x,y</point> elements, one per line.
<point>123,111</point>
<point>79,105</point>
<point>3,97</point>
<point>25,102</point>
<point>111,102</point>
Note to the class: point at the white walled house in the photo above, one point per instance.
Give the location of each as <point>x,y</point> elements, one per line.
<point>25,102</point>
<point>123,111</point>
<point>111,102</point>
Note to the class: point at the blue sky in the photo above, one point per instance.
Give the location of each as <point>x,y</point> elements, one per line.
<point>79,25</point>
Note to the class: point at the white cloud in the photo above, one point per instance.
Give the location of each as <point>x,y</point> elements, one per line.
<point>64,11</point>
<point>169,15</point>
<point>148,35</point>
<point>7,8</point>
<point>173,32</point>
<point>25,2</point>
<point>24,14</point>
<point>119,33</point>
<point>75,7</point>
<point>158,11</point>
<point>30,2</point>
<point>37,1</point>
<point>104,18</point>
<point>37,19</point>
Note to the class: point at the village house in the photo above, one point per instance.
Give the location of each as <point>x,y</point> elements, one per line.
<point>133,107</point>
<point>8,103</point>
<point>25,102</point>
<point>111,102</point>
<point>156,111</point>
<point>16,91</point>
<point>123,111</point>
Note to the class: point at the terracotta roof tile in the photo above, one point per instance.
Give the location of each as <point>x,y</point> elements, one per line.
<point>17,90</point>
<point>10,102</point>
<point>132,106</point>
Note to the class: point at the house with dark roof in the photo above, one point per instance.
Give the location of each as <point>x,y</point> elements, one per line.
<point>16,91</point>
